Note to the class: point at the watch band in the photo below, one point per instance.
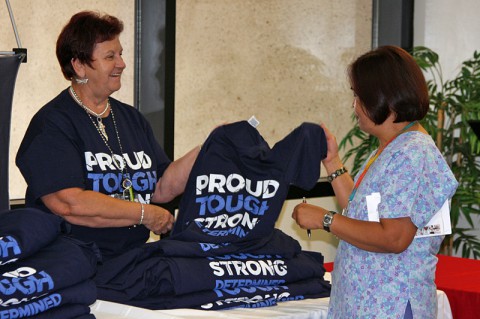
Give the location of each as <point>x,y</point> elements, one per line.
<point>337,173</point>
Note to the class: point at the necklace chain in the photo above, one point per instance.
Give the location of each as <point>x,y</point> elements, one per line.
<point>100,126</point>
<point>86,108</point>
<point>126,183</point>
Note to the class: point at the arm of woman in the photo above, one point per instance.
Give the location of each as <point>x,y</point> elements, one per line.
<point>390,235</point>
<point>94,209</point>
<point>175,177</point>
<point>343,184</point>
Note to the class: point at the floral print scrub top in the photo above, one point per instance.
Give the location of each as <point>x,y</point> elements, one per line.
<point>413,180</point>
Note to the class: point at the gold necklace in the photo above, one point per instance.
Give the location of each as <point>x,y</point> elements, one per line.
<point>100,126</point>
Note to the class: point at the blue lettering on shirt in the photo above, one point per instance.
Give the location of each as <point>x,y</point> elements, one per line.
<point>9,247</point>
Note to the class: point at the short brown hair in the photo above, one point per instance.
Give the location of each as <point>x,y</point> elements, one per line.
<point>79,36</point>
<point>388,80</point>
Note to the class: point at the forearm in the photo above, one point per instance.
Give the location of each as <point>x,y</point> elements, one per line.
<point>93,209</point>
<point>343,184</point>
<point>392,235</point>
<point>175,177</point>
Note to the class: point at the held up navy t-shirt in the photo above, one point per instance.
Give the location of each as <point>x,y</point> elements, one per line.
<point>63,149</point>
<point>238,184</point>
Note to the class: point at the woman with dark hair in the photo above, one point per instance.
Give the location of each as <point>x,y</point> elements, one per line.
<point>92,159</point>
<point>382,269</point>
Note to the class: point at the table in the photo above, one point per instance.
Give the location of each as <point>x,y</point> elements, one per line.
<point>459,278</point>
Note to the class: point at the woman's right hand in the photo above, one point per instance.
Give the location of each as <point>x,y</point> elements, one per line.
<point>157,219</point>
<point>332,161</point>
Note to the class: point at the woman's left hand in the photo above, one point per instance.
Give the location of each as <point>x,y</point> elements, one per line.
<point>308,216</point>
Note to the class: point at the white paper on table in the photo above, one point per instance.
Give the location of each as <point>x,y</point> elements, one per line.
<point>439,225</point>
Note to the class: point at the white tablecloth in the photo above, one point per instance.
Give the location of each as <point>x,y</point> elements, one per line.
<point>300,309</point>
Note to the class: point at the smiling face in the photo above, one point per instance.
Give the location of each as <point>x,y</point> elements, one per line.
<point>104,76</point>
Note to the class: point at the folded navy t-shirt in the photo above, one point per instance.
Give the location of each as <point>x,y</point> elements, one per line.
<point>244,297</point>
<point>63,263</point>
<point>83,293</point>
<point>25,231</point>
<point>71,311</point>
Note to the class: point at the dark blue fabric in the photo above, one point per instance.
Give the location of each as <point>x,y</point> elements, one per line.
<point>242,269</point>
<point>161,276</point>
<point>67,312</point>
<point>245,297</point>
<point>276,242</point>
<point>408,311</point>
<point>238,184</point>
<point>25,231</point>
<point>43,271</point>
<point>83,293</point>
<point>59,265</point>
<point>224,245</point>
<point>62,149</point>
<point>146,268</point>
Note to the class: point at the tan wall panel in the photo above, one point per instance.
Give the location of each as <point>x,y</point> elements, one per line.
<point>280,60</point>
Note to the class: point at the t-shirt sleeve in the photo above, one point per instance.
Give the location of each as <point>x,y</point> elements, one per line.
<point>416,184</point>
<point>50,161</point>
<point>302,152</point>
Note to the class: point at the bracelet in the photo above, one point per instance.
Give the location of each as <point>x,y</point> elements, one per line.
<point>337,173</point>
<point>143,214</point>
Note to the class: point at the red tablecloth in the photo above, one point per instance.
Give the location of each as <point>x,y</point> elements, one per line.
<point>459,278</point>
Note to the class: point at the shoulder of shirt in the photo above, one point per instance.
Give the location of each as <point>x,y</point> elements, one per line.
<point>417,137</point>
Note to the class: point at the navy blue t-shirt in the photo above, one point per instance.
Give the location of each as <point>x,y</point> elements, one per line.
<point>24,231</point>
<point>238,184</point>
<point>63,149</point>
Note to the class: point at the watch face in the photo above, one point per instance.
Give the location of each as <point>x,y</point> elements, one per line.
<point>327,220</point>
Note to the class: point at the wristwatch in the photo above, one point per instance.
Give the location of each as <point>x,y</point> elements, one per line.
<point>327,220</point>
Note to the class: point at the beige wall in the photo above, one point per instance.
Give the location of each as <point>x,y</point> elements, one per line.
<point>283,61</point>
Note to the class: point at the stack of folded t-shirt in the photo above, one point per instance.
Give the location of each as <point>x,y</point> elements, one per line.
<point>43,274</point>
<point>224,251</point>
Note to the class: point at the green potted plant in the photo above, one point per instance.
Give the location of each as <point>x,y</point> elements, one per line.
<point>452,104</point>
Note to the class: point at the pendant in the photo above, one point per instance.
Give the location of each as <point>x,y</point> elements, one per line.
<point>101,128</point>
<point>128,189</point>
<point>126,183</point>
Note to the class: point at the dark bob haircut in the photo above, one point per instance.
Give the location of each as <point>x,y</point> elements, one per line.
<point>79,36</point>
<point>388,80</point>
